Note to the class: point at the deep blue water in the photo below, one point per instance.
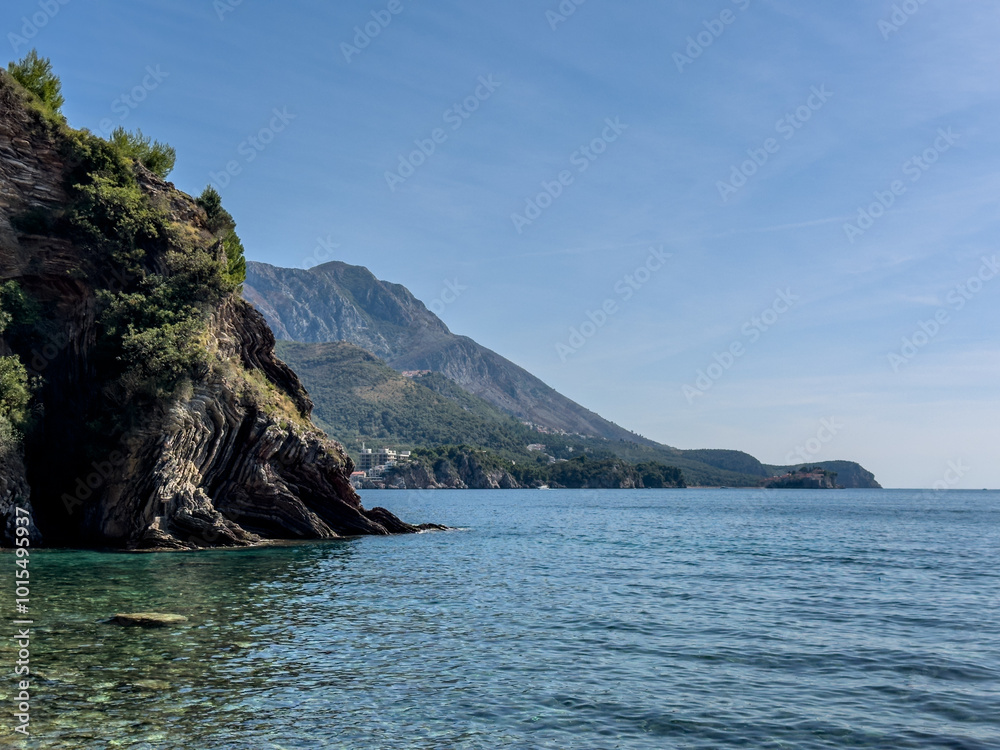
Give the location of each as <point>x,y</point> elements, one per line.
<point>562,619</point>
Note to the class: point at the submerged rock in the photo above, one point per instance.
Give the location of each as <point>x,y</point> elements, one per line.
<point>147,619</point>
<point>155,686</point>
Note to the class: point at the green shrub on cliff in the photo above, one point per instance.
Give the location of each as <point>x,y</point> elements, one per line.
<point>236,262</point>
<point>16,311</point>
<point>220,221</point>
<point>112,215</point>
<point>14,391</point>
<point>34,73</point>
<point>156,286</point>
<point>20,317</point>
<point>157,278</point>
<point>157,157</point>
<point>152,330</point>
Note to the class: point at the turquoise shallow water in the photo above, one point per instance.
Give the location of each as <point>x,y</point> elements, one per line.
<point>562,619</point>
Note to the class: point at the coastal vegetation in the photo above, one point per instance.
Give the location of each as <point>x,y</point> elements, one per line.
<point>804,478</point>
<point>35,75</point>
<point>156,284</point>
<point>454,465</point>
<point>361,400</point>
<point>158,158</point>
<point>17,312</point>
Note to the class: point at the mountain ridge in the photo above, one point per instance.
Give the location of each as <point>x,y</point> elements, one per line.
<point>339,302</point>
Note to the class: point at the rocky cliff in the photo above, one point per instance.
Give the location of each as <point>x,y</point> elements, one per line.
<point>814,478</point>
<point>175,430</point>
<point>463,472</point>
<point>848,473</point>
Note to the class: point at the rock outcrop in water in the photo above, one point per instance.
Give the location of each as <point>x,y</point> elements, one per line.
<point>807,478</point>
<point>219,450</point>
<point>464,471</point>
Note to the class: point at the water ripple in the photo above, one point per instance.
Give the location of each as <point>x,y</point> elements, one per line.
<point>646,620</point>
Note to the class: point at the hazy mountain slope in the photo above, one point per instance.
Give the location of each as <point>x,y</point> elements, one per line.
<point>735,461</point>
<point>360,398</point>
<point>340,302</point>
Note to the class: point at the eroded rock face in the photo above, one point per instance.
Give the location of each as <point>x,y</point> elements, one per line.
<point>464,473</point>
<point>231,458</point>
<point>14,494</point>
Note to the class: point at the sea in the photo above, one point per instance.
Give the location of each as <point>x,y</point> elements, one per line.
<point>645,619</point>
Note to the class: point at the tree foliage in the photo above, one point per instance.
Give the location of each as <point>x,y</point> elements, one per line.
<point>582,472</point>
<point>220,221</point>
<point>17,310</point>
<point>153,329</point>
<point>113,216</point>
<point>655,475</point>
<point>157,157</point>
<point>14,391</point>
<point>35,74</point>
<point>236,263</point>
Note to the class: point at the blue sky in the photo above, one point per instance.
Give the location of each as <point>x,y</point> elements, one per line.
<point>821,111</point>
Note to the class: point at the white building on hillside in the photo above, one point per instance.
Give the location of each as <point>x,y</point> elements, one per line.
<point>370,459</point>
